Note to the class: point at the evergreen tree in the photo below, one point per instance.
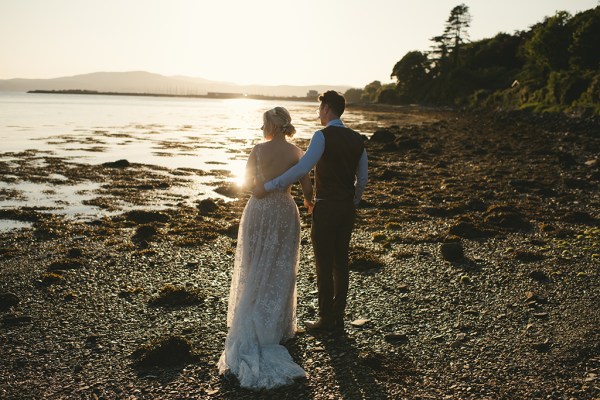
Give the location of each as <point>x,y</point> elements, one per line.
<point>456,30</point>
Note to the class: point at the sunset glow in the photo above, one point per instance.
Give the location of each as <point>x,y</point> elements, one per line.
<point>259,42</point>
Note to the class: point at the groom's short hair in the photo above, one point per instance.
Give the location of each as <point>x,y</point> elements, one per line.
<point>334,100</point>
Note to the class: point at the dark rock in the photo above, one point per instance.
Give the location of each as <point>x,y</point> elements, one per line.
<point>396,338</point>
<point>8,300</point>
<point>390,147</point>
<point>507,217</point>
<point>383,136</point>
<point>230,190</point>
<point>145,232</point>
<point>374,361</point>
<point>65,264</point>
<point>407,144</point>
<point>542,347</point>
<point>364,262</point>
<point>207,206</point>
<point>528,256</point>
<point>20,215</point>
<point>232,230</point>
<point>388,175</point>
<point>144,217</point>
<point>579,217</point>
<point>539,276</point>
<point>439,338</point>
<point>452,251</point>
<point>13,319</point>
<point>446,211</point>
<point>476,205</point>
<point>50,278</point>
<point>74,252</point>
<point>164,352</point>
<point>576,183</point>
<point>547,228</point>
<point>117,164</point>
<point>174,296</point>
<point>467,230</point>
<point>546,192</point>
<point>566,159</point>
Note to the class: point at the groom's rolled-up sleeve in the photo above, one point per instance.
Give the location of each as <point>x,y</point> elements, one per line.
<point>307,162</point>
<point>362,176</point>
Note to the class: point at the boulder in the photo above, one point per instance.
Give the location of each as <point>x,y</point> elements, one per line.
<point>383,136</point>
<point>117,164</point>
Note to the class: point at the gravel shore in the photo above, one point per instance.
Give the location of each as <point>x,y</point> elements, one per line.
<point>475,266</point>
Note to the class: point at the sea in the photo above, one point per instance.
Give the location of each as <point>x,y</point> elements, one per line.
<point>171,132</point>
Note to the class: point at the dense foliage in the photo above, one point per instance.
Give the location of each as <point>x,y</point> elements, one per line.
<point>554,66</point>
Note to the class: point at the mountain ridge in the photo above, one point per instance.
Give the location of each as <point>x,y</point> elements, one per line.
<point>149,82</point>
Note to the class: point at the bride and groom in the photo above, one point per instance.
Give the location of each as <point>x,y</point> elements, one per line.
<point>262,299</point>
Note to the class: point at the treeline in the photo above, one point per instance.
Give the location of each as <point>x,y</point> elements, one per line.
<point>554,66</point>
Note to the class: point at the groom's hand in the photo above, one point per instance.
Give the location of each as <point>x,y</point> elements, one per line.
<point>259,190</point>
<point>309,205</point>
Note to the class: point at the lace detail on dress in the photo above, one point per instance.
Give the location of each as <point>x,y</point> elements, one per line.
<point>262,299</point>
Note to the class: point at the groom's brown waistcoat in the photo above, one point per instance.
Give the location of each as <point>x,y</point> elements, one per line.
<point>336,170</point>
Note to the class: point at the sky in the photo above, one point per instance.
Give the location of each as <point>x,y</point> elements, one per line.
<point>269,42</point>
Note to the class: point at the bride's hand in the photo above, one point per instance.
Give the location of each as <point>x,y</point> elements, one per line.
<point>309,205</point>
<point>259,190</point>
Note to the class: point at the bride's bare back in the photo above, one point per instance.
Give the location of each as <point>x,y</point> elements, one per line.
<point>276,157</point>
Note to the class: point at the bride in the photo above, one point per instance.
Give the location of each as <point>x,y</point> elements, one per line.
<point>262,299</point>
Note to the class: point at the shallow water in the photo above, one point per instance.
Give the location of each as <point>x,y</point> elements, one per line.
<point>202,134</point>
<point>7,225</point>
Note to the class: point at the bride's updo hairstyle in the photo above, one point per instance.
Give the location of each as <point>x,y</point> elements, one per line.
<point>278,121</point>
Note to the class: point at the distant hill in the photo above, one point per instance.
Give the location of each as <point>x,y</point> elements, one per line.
<point>146,82</point>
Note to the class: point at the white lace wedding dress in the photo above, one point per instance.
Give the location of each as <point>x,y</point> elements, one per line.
<point>262,300</point>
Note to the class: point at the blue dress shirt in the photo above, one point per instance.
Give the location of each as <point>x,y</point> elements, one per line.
<point>309,160</point>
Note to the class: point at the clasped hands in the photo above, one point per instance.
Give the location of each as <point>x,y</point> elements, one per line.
<point>259,192</point>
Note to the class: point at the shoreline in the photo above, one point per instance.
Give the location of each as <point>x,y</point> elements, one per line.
<point>473,275</point>
<point>190,96</point>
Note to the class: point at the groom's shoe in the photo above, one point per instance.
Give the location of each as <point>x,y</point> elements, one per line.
<point>320,325</point>
<point>338,325</point>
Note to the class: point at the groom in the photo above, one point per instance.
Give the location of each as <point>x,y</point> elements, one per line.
<point>340,158</point>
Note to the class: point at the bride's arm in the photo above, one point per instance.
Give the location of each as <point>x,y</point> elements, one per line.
<point>250,171</point>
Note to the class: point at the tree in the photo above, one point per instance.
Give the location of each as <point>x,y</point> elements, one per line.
<point>370,92</point>
<point>584,46</point>
<point>411,72</point>
<point>548,48</point>
<point>388,94</point>
<point>439,49</point>
<point>353,95</point>
<point>456,30</point>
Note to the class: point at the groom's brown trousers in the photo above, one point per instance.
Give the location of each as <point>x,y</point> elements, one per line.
<point>332,226</point>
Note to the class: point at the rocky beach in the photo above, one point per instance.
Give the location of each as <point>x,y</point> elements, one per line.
<point>474,271</point>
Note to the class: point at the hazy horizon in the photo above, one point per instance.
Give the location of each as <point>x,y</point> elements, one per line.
<point>151,83</point>
<point>266,42</point>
